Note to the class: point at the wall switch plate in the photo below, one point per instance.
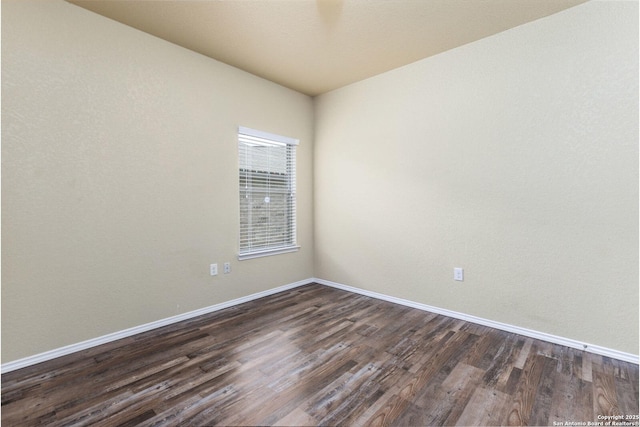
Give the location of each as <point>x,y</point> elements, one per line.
<point>458,274</point>
<point>213,269</point>
<point>227,267</point>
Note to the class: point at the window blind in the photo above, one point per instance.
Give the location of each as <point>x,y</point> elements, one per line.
<point>267,167</point>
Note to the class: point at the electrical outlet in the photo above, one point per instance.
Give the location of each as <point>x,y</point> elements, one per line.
<point>213,269</point>
<point>458,274</point>
<point>227,267</point>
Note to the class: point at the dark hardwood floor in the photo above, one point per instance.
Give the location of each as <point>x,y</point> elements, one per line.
<point>316,355</point>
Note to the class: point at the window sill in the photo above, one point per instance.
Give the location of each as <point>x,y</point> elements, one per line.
<point>267,252</point>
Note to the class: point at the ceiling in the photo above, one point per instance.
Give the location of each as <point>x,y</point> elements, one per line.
<point>314,46</point>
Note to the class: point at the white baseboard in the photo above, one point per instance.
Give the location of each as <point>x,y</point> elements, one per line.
<point>84,345</point>
<point>591,348</point>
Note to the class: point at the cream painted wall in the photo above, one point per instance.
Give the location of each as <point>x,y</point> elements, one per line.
<point>119,172</point>
<point>514,157</point>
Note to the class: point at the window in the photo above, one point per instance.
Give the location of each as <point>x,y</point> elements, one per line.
<point>267,166</point>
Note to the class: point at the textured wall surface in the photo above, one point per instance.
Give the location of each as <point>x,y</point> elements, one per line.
<point>119,177</point>
<point>514,157</point>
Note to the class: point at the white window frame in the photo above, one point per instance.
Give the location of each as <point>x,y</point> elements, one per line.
<point>262,240</point>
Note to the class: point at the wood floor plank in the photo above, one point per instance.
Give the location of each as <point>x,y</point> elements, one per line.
<point>445,404</point>
<point>624,394</point>
<point>570,395</point>
<point>544,395</point>
<point>316,355</point>
<point>335,403</point>
<point>605,400</point>
<point>524,398</point>
<point>484,409</point>
<point>386,414</point>
<point>524,353</point>
<point>297,417</point>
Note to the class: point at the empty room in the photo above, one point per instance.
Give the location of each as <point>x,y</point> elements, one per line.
<point>320,212</point>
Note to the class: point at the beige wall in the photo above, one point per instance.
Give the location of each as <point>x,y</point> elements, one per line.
<point>514,157</point>
<point>119,177</point>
